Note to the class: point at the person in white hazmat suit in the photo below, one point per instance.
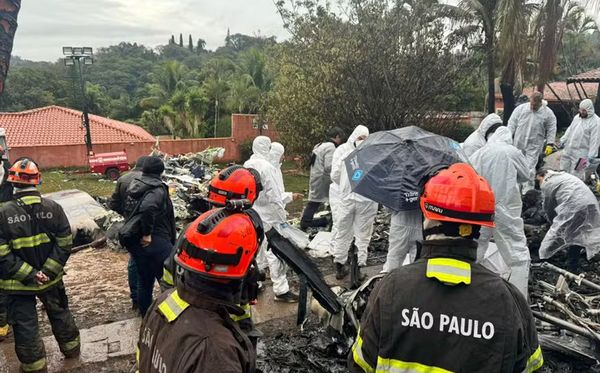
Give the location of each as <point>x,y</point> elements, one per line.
<point>320,179</point>
<point>271,208</point>
<point>532,125</point>
<point>480,136</point>
<point>575,215</point>
<point>406,228</point>
<point>581,140</point>
<point>504,167</point>
<point>356,214</point>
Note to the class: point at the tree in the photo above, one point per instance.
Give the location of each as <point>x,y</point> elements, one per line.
<point>181,40</point>
<point>190,44</point>
<point>183,114</point>
<point>172,40</point>
<point>9,10</point>
<point>200,45</point>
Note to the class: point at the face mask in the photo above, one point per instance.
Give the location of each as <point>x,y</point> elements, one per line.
<point>358,142</point>
<point>583,115</point>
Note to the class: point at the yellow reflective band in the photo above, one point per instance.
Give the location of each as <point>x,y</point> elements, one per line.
<point>53,266</point>
<point>358,356</point>
<point>35,366</point>
<point>31,200</point>
<point>15,285</point>
<point>64,241</point>
<point>23,272</point>
<point>173,306</point>
<point>4,250</point>
<point>32,241</point>
<point>449,271</point>
<point>247,313</point>
<point>71,345</point>
<point>535,361</point>
<point>398,366</point>
<point>167,277</point>
<point>137,355</point>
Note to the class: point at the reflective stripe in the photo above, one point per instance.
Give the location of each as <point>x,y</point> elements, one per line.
<point>167,277</point>
<point>358,357</point>
<point>23,272</point>
<point>173,306</point>
<point>14,285</point>
<point>535,361</point>
<point>247,313</point>
<point>36,365</point>
<point>32,241</point>
<point>71,345</point>
<point>4,250</point>
<point>137,355</point>
<point>65,241</point>
<point>31,200</point>
<point>449,271</point>
<point>53,266</point>
<point>398,366</point>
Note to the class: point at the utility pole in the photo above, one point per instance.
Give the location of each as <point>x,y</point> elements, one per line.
<point>216,116</point>
<point>78,56</point>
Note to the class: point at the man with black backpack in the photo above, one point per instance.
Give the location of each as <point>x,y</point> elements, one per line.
<point>155,225</point>
<point>35,244</point>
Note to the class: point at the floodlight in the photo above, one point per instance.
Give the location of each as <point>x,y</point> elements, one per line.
<point>78,51</point>
<point>88,61</point>
<point>88,51</point>
<point>69,62</point>
<point>68,51</point>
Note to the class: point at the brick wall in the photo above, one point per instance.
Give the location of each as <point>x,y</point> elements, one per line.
<point>242,128</point>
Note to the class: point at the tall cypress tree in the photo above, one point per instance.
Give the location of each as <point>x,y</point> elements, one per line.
<point>190,44</point>
<point>172,41</point>
<point>181,40</point>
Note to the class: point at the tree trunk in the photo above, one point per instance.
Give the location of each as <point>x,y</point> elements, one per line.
<point>548,49</point>
<point>491,67</point>
<point>9,9</point>
<point>508,98</point>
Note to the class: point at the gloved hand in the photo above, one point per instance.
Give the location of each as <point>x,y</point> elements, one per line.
<point>549,149</point>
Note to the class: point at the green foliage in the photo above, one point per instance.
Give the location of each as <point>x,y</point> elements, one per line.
<point>245,150</point>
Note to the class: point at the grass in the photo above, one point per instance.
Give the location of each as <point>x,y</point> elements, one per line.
<point>294,178</point>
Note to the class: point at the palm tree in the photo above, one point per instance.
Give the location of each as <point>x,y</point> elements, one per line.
<point>169,78</point>
<point>9,10</point>
<point>183,114</point>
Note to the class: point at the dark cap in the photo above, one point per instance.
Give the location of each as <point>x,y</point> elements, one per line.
<point>153,166</point>
<point>139,164</point>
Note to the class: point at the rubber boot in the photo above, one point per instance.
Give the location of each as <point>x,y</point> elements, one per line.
<point>341,271</point>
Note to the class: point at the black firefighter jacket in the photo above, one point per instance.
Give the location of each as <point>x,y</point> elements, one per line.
<point>444,313</point>
<point>189,332</point>
<point>35,235</point>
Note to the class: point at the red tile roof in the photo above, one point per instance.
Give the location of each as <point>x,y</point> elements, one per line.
<point>588,76</point>
<point>55,125</point>
<point>564,93</point>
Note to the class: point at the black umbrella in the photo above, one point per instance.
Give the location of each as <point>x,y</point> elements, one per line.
<point>390,167</point>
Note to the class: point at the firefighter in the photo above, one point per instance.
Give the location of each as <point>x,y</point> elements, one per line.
<point>35,243</point>
<point>445,313</point>
<point>189,329</point>
<point>6,194</point>
<point>232,184</point>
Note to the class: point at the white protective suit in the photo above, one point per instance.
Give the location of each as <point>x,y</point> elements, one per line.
<point>581,140</point>
<point>530,131</point>
<point>477,140</point>
<point>504,167</point>
<point>406,228</point>
<point>320,172</point>
<point>356,214</point>
<point>574,212</point>
<point>271,209</point>
<point>275,155</point>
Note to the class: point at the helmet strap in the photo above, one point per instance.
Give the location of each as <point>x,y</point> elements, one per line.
<point>454,230</point>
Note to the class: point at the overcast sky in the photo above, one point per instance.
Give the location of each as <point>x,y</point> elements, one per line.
<point>47,25</point>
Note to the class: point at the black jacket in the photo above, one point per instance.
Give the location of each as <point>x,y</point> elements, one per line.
<point>119,196</point>
<point>158,217</point>
<point>416,319</point>
<point>35,235</point>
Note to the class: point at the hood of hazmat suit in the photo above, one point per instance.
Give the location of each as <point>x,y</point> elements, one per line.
<point>269,203</point>
<point>531,130</point>
<point>338,169</point>
<point>477,140</point>
<point>574,212</point>
<point>581,140</point>
<point>504,167</point>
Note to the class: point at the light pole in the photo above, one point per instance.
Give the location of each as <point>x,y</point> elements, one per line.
<point>78,56</point>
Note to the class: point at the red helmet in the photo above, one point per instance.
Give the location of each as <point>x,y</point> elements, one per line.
<point>220,244</point>
<point>24,171</point>
<point>458,194</point>
<point>234,182</point>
